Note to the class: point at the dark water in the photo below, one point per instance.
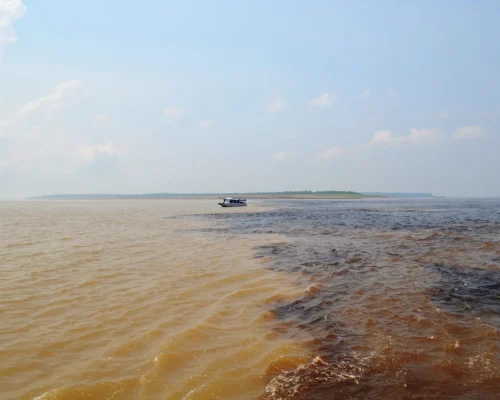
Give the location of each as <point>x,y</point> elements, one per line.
<point>402,300</point>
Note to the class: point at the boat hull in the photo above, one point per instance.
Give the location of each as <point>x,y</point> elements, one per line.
<point>232,205</point>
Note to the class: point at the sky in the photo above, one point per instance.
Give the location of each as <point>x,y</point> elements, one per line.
<point>228,96</point>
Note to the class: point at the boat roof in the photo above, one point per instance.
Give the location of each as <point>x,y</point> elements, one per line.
<point>234,198</point>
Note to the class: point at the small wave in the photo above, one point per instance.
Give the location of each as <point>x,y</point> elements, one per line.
<point>303,381</point>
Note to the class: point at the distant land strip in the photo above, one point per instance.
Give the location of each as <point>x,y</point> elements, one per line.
<point>305,194</point>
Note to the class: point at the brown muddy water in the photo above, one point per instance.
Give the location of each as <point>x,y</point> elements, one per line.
<point>304,299</point>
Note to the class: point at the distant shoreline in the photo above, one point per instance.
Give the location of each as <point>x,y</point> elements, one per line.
<point>305,195</point>
<point>204,197</point>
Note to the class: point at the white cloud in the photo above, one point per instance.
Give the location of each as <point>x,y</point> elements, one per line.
<point>88,153</point>
<point>332,152</point>
<point>100,117</point>
<point>173,112</point>
<point>47,105</point>
<point>392,93</point>
<point>284,155</point>
<point>381,137</point>
<point>40,145</point>
<point>276,106</point>
<point>366,93</point>
<point>468,132</point>
<point>51,102</point>
<point>425,136</point>
<point>444,114</point>
<point>416,136</point>
<point>10,11</point>
<point>324,100</point>
<point>288,136</point>
<point>205,124</point>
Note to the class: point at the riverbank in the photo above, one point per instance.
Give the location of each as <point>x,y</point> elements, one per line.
<point>209,196</point>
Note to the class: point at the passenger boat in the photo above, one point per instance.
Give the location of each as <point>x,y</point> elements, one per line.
<point>230,202</point>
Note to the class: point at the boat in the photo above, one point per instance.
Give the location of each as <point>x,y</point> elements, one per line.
<point>230,202</point>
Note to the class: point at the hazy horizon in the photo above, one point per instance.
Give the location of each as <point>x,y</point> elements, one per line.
<point>227,97</point>
<point>172,195</point>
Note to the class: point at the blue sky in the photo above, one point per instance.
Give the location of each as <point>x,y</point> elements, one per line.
<point>207,96</point>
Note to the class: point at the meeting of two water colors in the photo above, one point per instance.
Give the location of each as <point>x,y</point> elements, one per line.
<point>402,297</point>
<point>286,299</point>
